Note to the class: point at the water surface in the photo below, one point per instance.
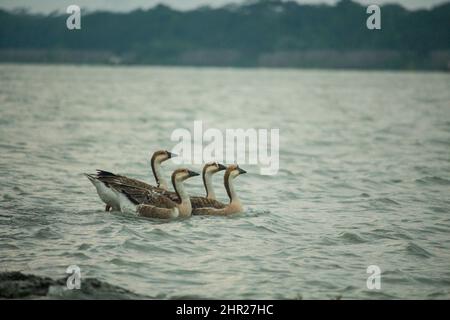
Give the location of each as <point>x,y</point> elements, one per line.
<point>364,180</point>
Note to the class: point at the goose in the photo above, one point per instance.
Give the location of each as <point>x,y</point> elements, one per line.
<point>150,204</point>
<point>208,170</point>
<point>235,206</point>
<point>210,199</point>
<point>102,180</point>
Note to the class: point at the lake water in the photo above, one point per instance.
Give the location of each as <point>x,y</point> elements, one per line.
<point>364,180</point>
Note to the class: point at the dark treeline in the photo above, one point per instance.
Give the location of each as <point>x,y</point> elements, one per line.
<point>257,33</point>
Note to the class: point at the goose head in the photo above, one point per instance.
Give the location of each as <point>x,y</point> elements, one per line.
<point>213,167</point>
<point>234,171</point>
<point>180,175</point>
<point>161,156</point>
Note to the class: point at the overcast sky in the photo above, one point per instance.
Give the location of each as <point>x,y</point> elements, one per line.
<point>47,6</point>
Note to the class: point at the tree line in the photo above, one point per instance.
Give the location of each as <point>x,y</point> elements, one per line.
<point>257,33</point>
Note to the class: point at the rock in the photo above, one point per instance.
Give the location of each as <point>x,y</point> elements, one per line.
<point>16,285</point>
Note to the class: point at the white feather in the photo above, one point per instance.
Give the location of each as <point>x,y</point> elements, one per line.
<point>125,205</point>
<point>106,194</point>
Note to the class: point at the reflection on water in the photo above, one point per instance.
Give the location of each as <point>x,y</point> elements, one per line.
<point>364,180</point>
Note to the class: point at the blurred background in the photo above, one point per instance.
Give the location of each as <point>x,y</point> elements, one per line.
<point>256,33</point>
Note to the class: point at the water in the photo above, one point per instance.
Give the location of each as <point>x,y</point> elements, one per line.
<point>364,180</point>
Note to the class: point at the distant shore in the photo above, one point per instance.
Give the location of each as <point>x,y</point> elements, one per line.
<point>325,59</point>
<point>262,33</point>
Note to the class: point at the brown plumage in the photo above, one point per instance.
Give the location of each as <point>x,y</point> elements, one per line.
<point>110,178</point>
<point>199,202</point>
<point>210,200</point>
<point>102,180</point>
<point>203,202</point>
<point>157,158</point>
<point>234,206</point>
<point>144,196</point>
<point>155,205</point>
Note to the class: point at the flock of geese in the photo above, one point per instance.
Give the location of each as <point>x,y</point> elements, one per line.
<point>129,195</point>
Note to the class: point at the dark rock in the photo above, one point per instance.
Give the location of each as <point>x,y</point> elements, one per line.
<point>16,285</point>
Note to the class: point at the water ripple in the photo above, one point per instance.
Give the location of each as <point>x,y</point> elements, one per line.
<point>416,250</point>
<point>351,238</point>
<point>359,183</point>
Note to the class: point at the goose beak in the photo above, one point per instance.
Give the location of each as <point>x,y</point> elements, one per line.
<point>241,171</point>
<point>221,167</point>
<point>193,174</point>
<point>171,155</point>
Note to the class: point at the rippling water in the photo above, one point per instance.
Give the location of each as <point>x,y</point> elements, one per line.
<point>364,180</point>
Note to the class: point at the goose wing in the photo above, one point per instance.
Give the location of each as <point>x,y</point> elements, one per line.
<point>110,178</point>
<point>148,203</point>
<point>141,196</point>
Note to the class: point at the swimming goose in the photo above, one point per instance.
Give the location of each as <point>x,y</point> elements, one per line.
<point>235,205</point>
<point>208,170</point>
<point>103,179</point>
<point>210,200</point>
<point>151,204</point>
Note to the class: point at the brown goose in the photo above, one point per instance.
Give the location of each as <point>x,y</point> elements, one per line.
<point>151,204</point>
<point>103,179</point>
<point>210,200</point>
<point>235,205</point>
<point>199,202</point>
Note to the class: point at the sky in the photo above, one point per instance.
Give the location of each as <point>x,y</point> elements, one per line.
<point>47,6</point>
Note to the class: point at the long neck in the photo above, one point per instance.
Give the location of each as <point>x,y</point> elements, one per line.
<point>229,186</point>
<point>183,197</point>
<point>207,182</point>
<point>157,173</point>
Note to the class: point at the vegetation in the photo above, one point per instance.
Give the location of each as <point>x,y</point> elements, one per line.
<point>258,33</point>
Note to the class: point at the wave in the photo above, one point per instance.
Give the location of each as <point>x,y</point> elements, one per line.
<point>416,250</point>
<point>351,238</point>
<point>47,233</point>
<point>386,201</point>
<point>432,180</point>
